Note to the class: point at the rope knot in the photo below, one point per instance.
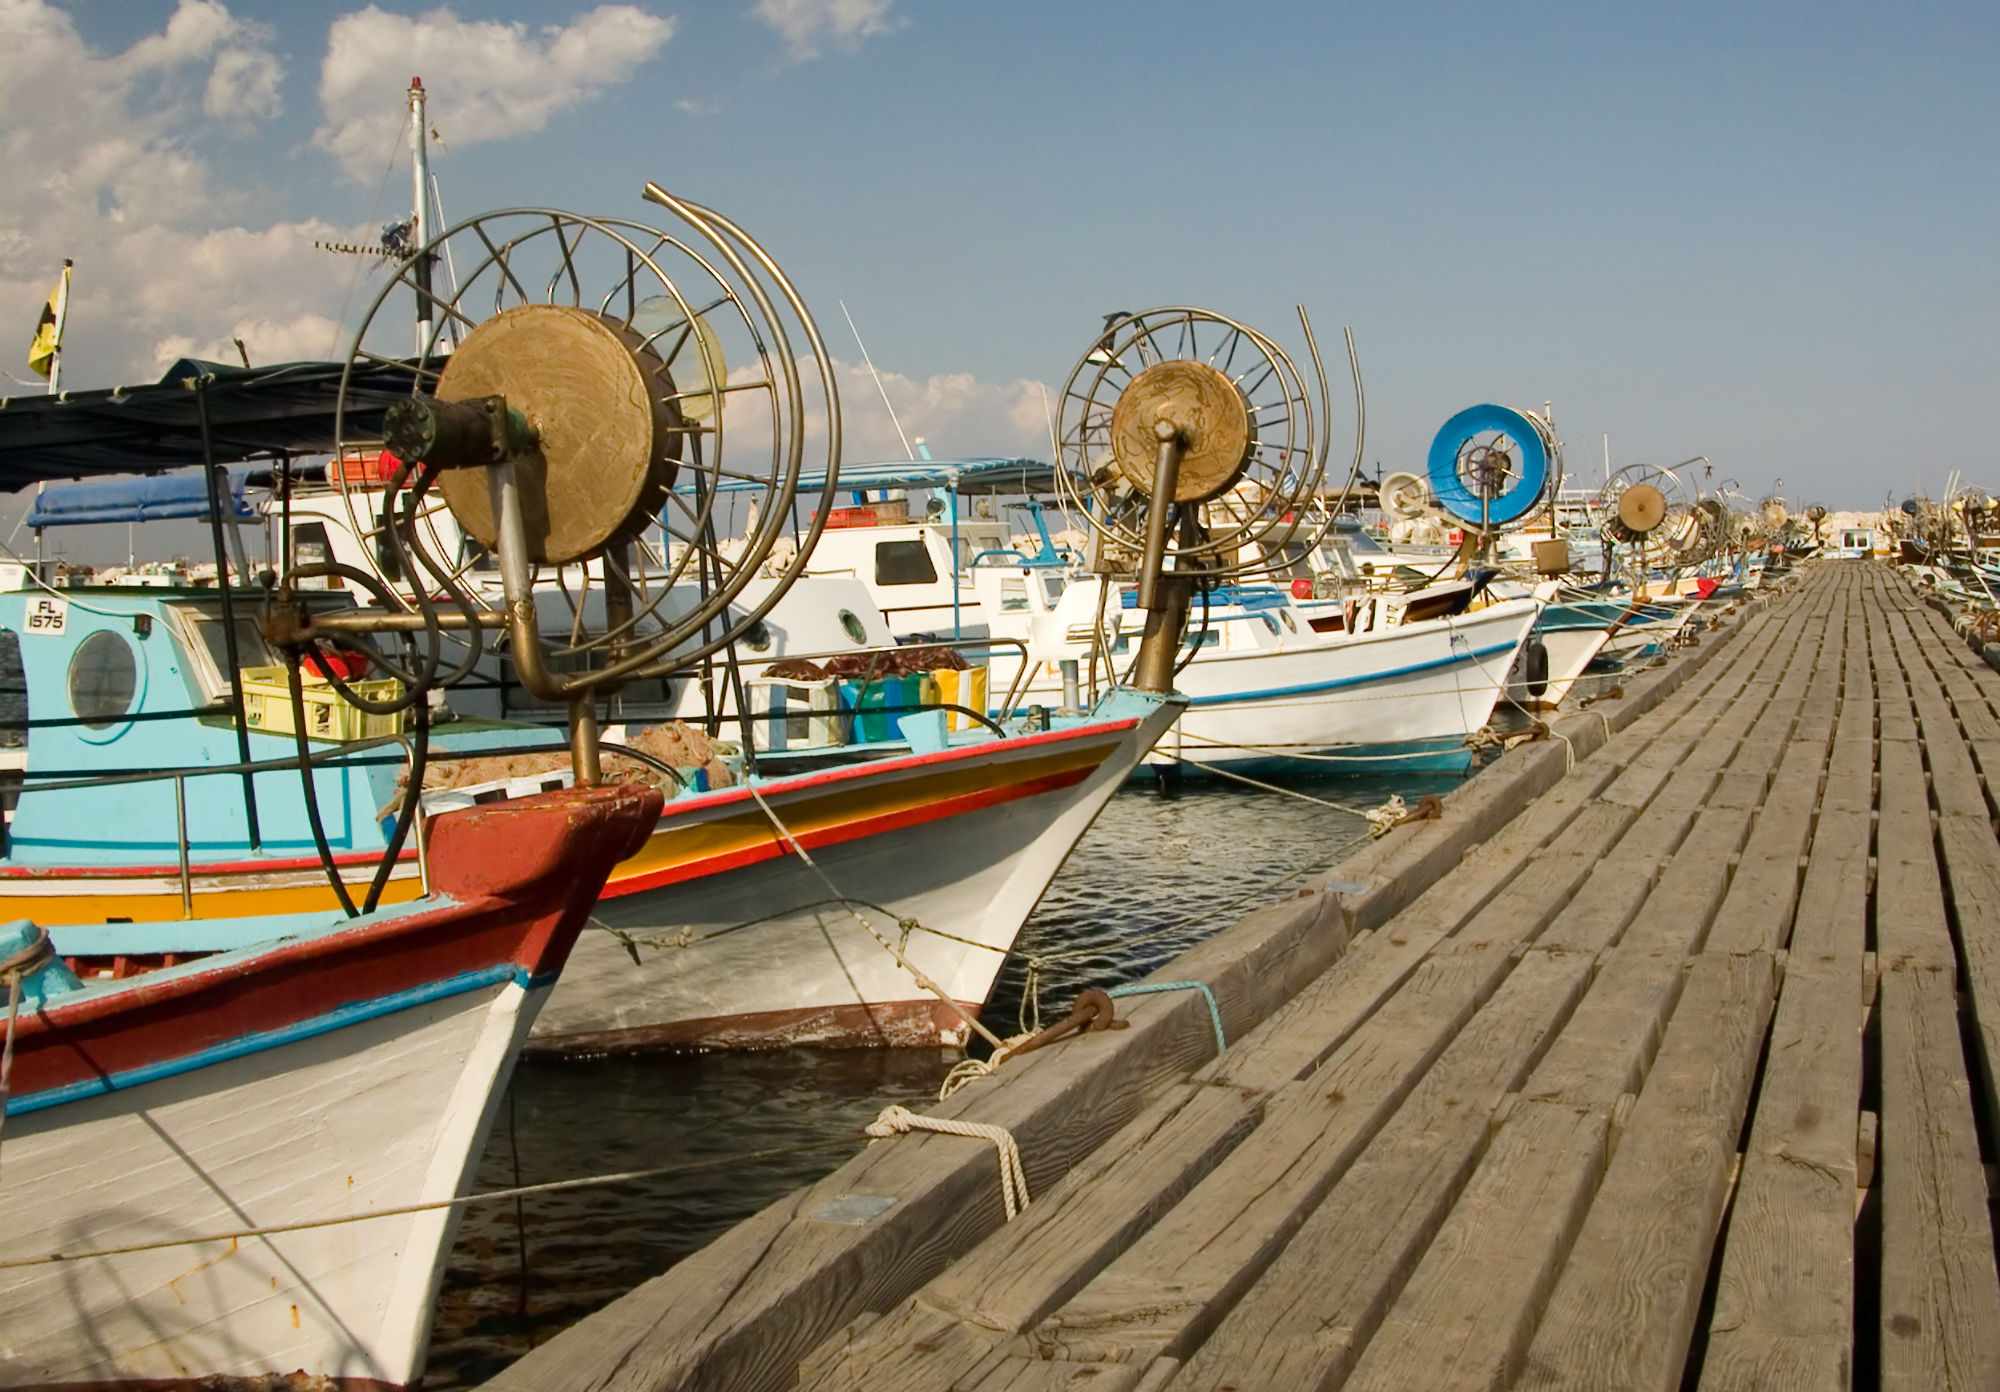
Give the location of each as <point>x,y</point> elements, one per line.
<point>897,1120</point>
<point>29,958</point>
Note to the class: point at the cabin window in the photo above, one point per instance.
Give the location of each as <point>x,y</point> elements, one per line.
<point>1052,587</point>
<point>904,563</point>
<point>103,679</point>
<point>757,637</point>
<point>310,545</point>
<point>250,647</point>
<point>850,622</point>
<point>1013,595</point>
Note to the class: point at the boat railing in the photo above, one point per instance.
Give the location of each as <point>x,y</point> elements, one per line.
<point>63,780</point>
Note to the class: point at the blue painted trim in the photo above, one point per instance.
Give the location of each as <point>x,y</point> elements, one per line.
<point>1308,688</point>
<point>342,1017</point>
<point>1443,754</point>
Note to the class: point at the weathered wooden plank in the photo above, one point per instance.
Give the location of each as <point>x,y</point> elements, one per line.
<point>1472,1304</point>
<point>1313,1023</point>
<point>1165,1294</point>
<point>1615,890</point>
<point>1306,1318</point>
<point>745,1310</point>
<point>1756,916</point>
<point>1784,1312</point>
<point>1955,786</point>
<point>1972,867</point>
<point>1940,1300</point>
<point>1910,923</point>
<point>1394,870</point>
<point>1468,1310</point>
<point>1031,1265</point>
<point>1624,1306</point>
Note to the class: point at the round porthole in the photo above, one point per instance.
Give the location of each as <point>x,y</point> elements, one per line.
<point>1270,623</point>
<point>757,637</point>
<point>103,679</point>
<point>1291,624</point>
<point>851,621</point>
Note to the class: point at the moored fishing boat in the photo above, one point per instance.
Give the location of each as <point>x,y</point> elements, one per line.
<point>231,1145</point>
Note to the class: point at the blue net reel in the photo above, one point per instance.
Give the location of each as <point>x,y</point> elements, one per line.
<point>1491,464</point>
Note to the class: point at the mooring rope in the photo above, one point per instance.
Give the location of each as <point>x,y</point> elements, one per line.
<point>1150,988</point>
<point>22,963</point>
<point>902,960</point>
<point>900,1121</point>
<point>554,1186</point>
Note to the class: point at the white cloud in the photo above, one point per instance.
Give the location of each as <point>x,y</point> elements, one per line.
<point>244,85</point>
<point>307,337</point>
<point>504,79</point>
<point>954,413</point>
<point>695,106</point>
<point>105,154</point>
<point>196,29</point>
<point>807,25</point>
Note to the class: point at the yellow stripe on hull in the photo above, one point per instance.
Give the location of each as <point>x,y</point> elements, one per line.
<point>675,851</point>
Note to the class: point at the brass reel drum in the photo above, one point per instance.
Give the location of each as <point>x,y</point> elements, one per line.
<point>1195,449</point>
<point>585,360</point>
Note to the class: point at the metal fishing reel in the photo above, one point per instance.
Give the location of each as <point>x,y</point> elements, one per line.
<point>1405,496</point>
<point>1195,448</point>
<point>561,451</point>
<point>1206,416</point>
<point>1649,504</point>
<point>1490,465</point>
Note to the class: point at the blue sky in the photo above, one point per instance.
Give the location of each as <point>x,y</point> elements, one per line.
<point>1763,236</point>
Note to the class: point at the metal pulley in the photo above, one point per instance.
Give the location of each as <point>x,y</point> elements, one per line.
<point>1207,413</point>
<point>1641,508</point>
<point>607,435</point>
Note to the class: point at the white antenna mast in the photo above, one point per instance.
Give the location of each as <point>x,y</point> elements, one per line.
<point>910,453</point>
<point>450,267</point>
<point>420,227</point>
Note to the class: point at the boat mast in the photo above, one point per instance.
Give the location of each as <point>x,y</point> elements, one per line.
<point>420,221</point>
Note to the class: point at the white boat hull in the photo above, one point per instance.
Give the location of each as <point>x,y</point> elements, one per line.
<point>1401,697</point>
<point>766,955</point>
<point>387,1112</point>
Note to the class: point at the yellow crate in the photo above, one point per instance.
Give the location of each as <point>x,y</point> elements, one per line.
<point>956,688</point>
<point>267,706</point>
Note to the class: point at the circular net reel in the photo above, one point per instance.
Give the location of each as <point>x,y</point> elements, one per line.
<point>1405,496</point>
<point>1653,510</point>
<point>1490,465</point>
<point>1251,435</point>
<point>652,389</point>
<point>1650,504</point>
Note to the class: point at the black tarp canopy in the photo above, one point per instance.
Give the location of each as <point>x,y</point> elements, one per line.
<point>253,413</point>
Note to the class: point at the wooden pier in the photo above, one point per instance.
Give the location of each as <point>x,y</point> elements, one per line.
<point>1665,1059</point>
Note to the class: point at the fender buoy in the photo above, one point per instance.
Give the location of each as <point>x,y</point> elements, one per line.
<point>1535,666</point>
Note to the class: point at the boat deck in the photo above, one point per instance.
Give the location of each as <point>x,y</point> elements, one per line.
<point>1683,1077</point>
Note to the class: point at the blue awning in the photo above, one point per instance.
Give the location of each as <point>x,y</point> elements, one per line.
<point>151,499</point>
<point>1024,476</point>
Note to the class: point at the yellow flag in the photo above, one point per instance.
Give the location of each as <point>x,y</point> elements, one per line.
<point>48,330</point>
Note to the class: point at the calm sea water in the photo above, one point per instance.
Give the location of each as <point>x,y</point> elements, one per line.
<point>1154,876</point>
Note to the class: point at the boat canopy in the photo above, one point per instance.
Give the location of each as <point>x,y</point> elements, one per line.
<point>138,500</point>
<point>252,413</point>
<point>962,476</point>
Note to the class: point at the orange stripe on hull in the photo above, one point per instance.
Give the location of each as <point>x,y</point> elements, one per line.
<point>680,848</point>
